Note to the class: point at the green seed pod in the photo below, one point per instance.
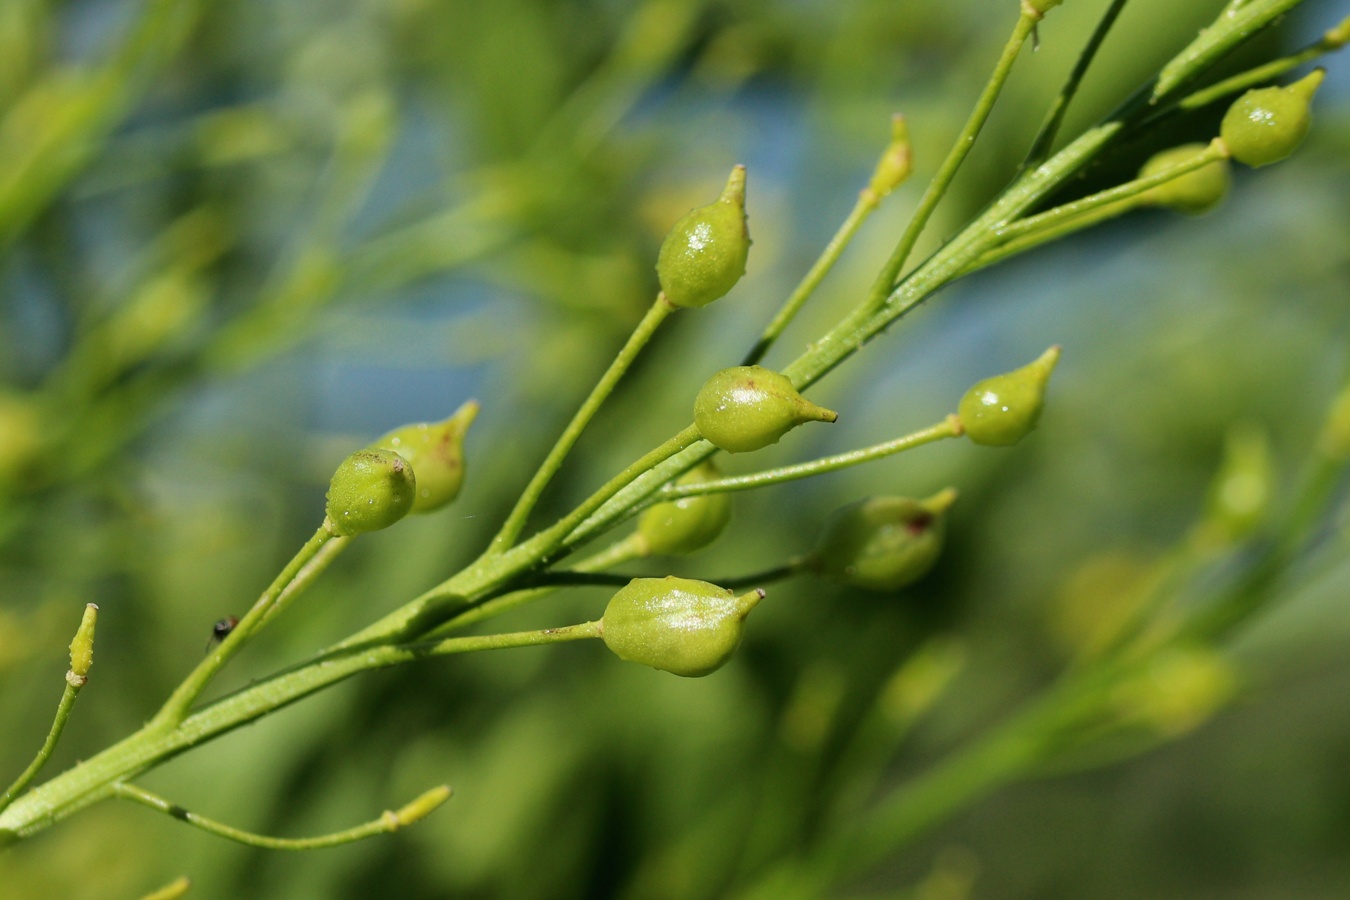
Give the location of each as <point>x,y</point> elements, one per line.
<point>882,543</point>
<point>748,407</point>
<point>1265,125</point>
<point>1198,191</point>
<point>1000,411</point>
<point>689,523</point>
<point>704,255</point>
<point>372,489</point>
<point>685,627</point>
<point>436,452</point>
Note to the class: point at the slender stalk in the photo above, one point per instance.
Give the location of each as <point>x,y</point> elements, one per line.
<point>297,574</point>
<point>1127,191</point>
<point>515,522</point>
<point>96,778</point>
<point>937,189</point>
<point>1045,138</point>
<point>1258,75</point>
<point>948,428</point>
<point>1031,240</point>
<point>53,735</point>
<point>387,823</point>
<point>862,209</point>
<point>622,551</point>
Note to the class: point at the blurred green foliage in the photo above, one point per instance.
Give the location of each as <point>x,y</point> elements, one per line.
<point>239,240</point>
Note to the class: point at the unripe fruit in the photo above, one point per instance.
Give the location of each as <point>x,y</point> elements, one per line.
<point>1265,125</point>
<point>748,407</point>
<point>1197,191</point>
<point>704,255</point>
<point>371,489</point>
<point>689,523</point>
<point>685,627</point>
<point>882,543</point>
<point>435,451</point>
<point>1000,411</point>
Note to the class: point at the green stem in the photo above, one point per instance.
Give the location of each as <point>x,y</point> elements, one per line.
<point>1127,191</point>
<point>288,585</point>
<point>948,428</point>
<point>622,551</point>
<point>937,189</point>
<point>1030,241</point>
<point>96,778</point>
<point>73,685</point>
<point>1258,75</point>
<point>1231,28</point>
<point>387,823</point>
<point>866,205</point>
<point>1045,138</point>
<point>515,522</point>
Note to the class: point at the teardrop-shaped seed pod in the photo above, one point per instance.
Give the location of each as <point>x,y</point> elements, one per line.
<point>1197,191</point>
<point>745,408</point>
<point>704,254</point>
<point>1265,125</point>
<point>371,489</point>
<point>436,452</point>
<point>689,523</point>
<point>1000,411</point>
<point>685,627</point>
<point>882,543</point>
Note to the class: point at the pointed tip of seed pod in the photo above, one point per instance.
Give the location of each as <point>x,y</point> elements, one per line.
<point>815,413</point>
<point>467,413</point>
<point>734,192</point>
<point>1049,358</point>
<point>942,501</point>
<point>1338,36</point>
<point>424,805</point>
<point>1306,86</point>
<point>747,602</point>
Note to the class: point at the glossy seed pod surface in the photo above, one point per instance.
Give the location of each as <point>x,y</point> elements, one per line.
<point>679,625</point>
<point>371,489</point>
<point>745,408</point>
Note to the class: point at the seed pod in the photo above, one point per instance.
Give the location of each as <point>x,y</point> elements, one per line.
<point>1197,191</point>
<point>748,407</point>
<point>882,543</point>
<point>1265,125</point>
<point>371,489</point>
<point>704,255</point>
<point>1000,411</point>
<point>685,627</point>
<point>689,523</point>
<point>436,452</point>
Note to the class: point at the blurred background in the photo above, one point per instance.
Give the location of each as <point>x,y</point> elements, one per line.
<point>239,240</point>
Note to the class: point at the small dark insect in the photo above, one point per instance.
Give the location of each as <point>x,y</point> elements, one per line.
<point>221,630</point>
